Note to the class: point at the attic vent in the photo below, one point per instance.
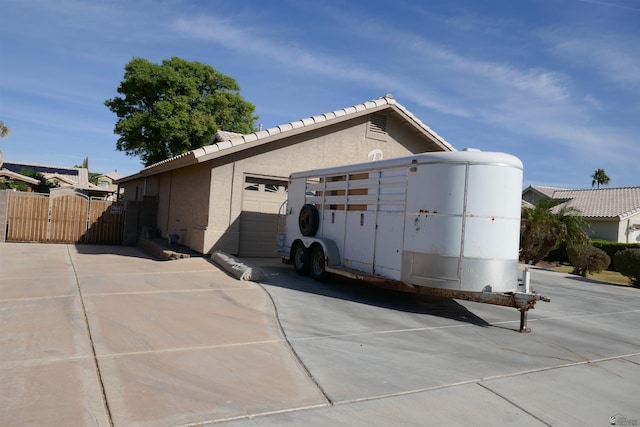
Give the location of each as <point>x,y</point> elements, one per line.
<point>377,128</point>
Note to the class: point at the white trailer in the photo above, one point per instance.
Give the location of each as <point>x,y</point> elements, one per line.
<point>445,224</point>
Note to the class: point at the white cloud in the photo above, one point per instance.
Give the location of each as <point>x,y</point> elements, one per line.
<point>535,102</point>
<point>613,5</point>
<point>614,57</point>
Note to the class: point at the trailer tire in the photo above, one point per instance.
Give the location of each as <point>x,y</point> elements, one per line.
<point>309,220</point>
<point>317,265</point>
<point>300,257</point>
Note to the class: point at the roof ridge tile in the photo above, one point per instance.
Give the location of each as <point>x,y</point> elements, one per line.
<point>238,139</point>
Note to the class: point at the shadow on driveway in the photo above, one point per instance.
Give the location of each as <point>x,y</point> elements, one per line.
<point>283,276</point>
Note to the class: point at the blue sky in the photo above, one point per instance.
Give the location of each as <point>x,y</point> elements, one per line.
<point>554,82</point>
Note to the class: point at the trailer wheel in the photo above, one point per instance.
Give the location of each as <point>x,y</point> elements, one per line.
<point>308,220</point>
<point>317,265</point>
<point>300,256</point>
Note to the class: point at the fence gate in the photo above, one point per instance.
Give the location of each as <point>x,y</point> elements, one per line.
<point>63,217</point>
<point>105,222</point>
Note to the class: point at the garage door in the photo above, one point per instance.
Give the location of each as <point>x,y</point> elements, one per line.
<point>261,200</point>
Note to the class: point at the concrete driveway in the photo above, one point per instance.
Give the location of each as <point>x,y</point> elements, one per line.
<point>98,335</point>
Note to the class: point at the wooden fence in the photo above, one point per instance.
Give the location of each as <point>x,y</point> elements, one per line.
<point>64,218</point>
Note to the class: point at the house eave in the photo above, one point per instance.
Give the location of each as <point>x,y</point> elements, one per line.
<point>256,139</point>
<point>168,165</point>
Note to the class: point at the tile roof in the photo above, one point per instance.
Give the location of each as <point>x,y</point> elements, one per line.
<point>79,177</point>
<point>388,100</point>
<point>223,135</point>
<point>526,204</point>
<point>604,202</point>
<point>16,176</point>
<point>229,142</point>
<point>547,191</point>
<point>114,175</point>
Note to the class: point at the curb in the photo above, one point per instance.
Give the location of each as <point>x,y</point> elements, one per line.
<point>237,268</point>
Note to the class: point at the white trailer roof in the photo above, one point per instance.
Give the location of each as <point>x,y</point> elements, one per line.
<point>465,156</point>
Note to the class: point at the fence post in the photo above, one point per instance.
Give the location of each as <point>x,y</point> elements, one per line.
<point>4,214</point>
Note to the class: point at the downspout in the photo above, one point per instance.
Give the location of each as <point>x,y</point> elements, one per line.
<point>233,179</point>
<point>168,201</point>
<point>628,229</point>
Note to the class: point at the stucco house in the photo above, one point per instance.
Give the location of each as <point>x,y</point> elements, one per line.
<point>613,213</point>
<point>63,177</point>
<point>226,195</point>
<point>7,175</point>
<point>107,182</point>
<point>533,193</point>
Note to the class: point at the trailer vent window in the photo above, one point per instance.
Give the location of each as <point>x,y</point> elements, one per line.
<point>377,128</point>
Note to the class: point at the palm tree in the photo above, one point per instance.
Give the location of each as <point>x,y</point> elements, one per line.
<point>533,228</point>
<point>542,229</point>
<point>600,177</point>
<point>566,226</point>
<point>4,130</point>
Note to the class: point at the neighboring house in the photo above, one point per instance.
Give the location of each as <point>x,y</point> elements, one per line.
<point>62,176</point>
<point>613,213</point>
<point>7,175</point>
<point>227,195</point>
<point>106,181</point>
<point>533,193</point>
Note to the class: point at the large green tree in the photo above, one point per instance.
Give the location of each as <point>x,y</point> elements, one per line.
<point>599,177</point>
<point>170,108</point>
<point>542,228</point>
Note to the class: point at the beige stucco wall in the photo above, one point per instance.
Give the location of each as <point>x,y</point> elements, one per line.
<point>217,234</point>
<point>606,229</point>
<point>203,202</point>
<point>341,144</point>
<point>629,230</point>
<point>616,231</point>
<point>135,189</point>
<point>183,202</point>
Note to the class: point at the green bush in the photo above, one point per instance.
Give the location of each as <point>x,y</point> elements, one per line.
<point>558,254</point>
<point>611,248</point>
<point>587,259</point>
<point>628,264</point>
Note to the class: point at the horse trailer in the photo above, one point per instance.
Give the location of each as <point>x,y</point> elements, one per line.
<point>445,224</point>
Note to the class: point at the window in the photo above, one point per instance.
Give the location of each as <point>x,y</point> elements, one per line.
<point>271,188</point>
<point>264,185</point>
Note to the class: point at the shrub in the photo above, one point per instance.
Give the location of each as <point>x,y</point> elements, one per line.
<point>612,248</point>
<point>558,254</point>
<point>587,259</point>
<point>628,264</point>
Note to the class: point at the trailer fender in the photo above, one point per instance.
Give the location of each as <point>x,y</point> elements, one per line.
<point>331,252</point>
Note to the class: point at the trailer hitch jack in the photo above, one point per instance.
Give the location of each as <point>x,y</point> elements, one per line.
<point>523,322</point>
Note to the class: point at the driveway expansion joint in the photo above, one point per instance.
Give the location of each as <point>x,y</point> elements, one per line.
<point>105,401</point>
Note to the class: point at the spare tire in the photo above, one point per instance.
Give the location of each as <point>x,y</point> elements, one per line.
<point>309,220</point>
